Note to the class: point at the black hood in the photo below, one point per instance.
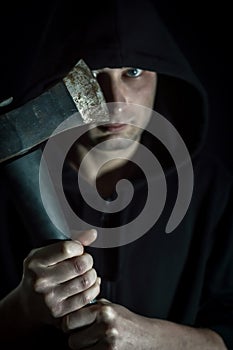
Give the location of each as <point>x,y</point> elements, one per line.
<point>51,38</point>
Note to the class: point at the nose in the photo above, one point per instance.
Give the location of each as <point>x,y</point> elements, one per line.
<point>112,87</point>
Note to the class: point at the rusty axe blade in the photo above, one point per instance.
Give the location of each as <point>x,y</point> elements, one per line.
<point>27,126</point>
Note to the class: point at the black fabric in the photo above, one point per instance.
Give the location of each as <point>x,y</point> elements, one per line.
<point>188,276</point>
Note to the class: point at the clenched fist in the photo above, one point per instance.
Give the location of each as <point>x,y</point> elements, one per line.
<point>58,279</point>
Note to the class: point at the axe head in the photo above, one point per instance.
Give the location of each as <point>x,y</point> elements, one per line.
<point>28,126</point>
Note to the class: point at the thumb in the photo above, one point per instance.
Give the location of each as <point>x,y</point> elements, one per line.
<point>85,237</point>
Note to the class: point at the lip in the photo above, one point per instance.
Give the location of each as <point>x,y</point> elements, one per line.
<point>113,127</point>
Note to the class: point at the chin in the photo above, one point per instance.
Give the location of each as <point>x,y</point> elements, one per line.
<point>114,144</point>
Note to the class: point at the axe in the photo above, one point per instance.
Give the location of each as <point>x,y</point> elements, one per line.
<point>25,129</point>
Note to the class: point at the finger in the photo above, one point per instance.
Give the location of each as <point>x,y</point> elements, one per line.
<point>64,271</point>
<point>54,253</point>
<point>77,301</point>
<point>104,301</point>
<point>80,318</point>
<point>85,237</point>
<point>68,269</point>
<point>76,285</point>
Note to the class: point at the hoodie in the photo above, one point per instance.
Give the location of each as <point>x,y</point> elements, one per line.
<point>185,276</point>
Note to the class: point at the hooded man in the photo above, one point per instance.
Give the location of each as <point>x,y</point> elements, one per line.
<point>157,290</point>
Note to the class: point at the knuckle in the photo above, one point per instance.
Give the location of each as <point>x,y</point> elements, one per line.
<point>29,263</point>
<point>56,309</point>
<point>82,263</point>
<point>49,299</point>
<point>79,265</point>
<point>88,279</point>
<point>111,333</point>
<point>106,313</point>
<point>54,304</point>
<point>111,338</point>
<point>86,298</point>
<point>55,312</point>
<point>85,281</point>
<point>39,285</point>
<point>32,261</point>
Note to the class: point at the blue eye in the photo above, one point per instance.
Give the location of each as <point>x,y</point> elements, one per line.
<point>133,72</point>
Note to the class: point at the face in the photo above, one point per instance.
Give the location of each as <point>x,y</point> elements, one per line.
<point>124,88</point>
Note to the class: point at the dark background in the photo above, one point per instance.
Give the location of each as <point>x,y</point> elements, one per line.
<point>204,33</point>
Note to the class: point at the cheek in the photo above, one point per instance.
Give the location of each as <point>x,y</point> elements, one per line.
<point>145,94</point>
<point>148,93</point>
<point>147,98</point>
<point>134,132</point>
